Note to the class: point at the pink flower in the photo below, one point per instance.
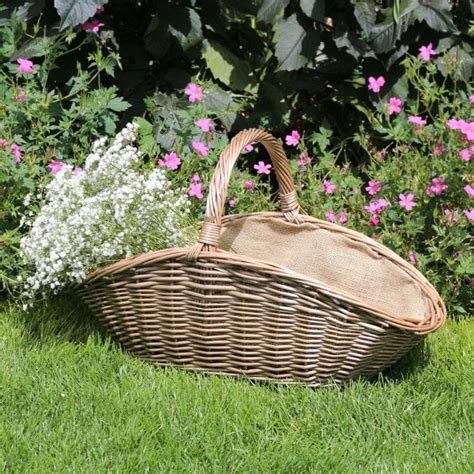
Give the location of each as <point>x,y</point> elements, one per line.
<point>412,258</point>
<point>454,124</point>
<point>373,188</point>
<point>92,26</point>
<point>249,147</point>
<point>452,216</point>
<point>100,10</point>
<point>342,216</point>
<point>469,190</point>
<point>438,150</point>
<point>376,84</point>
<point>196,190</point>
<point>77,170</point>
<point>293,139</point>
<point>426,52</point>
<point>417,121</point>
<point>469,214</point>
<point>471,99</point>
<point>170,161</point>
<point>328,187</point>
<point>233,201</point>
<point>205,124</point>
<point>3,143</point>
<point>16,151</point>
<point>55,166</point>
<point>465,154</point>
<point>201,148</point>
<point>25,66</point>
<point>304,159</point>
<point>376,207</point>
<point>194,92</point>
<point>437,187</point>
<point>262,168</point>
<point>467,128</point>
<point>21,98</point>
<point>196,178</point>
<point>407,201</point>
<point>374,220</point>
<point>248,185</point>
<point>394,106</point>
<point>330,216</point>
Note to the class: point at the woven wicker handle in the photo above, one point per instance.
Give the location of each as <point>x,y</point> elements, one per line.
<point>210,232</point>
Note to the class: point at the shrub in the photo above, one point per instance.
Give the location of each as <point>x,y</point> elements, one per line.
<point>190,128</point>
<point>295,62</point>
<point>44,118</point>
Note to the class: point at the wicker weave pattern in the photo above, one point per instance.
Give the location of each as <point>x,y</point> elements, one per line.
<point>214,311</point>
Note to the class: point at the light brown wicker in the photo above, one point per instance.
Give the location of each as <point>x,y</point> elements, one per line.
<point>241,312</point>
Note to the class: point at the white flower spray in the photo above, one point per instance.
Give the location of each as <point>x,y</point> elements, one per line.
<point>110,210</point>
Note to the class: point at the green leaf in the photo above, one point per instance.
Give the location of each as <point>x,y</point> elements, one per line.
<point>29,10</point>
<point>74,12</point>
<point>466,265</point>
<point>145,127</point>
<point>364,11</point>
<point>461,54</point>
<point>110,62</point>
<point>315,9</point>
<point>109,125</point>
<point>384,35</point>
<point>157,38</point>
<point>226,66</point>
<point>270,9</point>
<point>117,104</point>
<point>437,14</point>
<point>185,26</point>
<point>352,44</point>
<point>35,47</point>
<point>396,11</point>
<point>296,46</point>
<point>221,103</point>
<point>400,88</point>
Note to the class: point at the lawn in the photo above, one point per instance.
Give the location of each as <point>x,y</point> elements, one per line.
<point>73,401</point>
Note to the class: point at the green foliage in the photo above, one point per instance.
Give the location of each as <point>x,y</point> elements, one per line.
<point>283,56</point>
<point>74,13</point>
<point>174,130</point>
<point>52,113</point>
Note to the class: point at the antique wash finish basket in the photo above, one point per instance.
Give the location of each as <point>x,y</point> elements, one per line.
<point>282,297</point>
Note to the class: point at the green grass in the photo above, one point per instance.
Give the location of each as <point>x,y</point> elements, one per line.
<point>72,401</point>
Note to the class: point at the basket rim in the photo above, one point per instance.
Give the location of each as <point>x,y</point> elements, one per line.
<point>433,321</point>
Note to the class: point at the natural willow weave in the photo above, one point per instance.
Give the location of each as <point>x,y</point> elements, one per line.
<point>339,306</point>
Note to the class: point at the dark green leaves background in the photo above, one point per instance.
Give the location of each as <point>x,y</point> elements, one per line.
<point>281,62</point>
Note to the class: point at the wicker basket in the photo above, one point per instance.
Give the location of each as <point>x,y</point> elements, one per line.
<point>281,297</point>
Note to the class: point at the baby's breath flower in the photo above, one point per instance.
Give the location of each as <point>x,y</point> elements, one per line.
<point>110,211</point>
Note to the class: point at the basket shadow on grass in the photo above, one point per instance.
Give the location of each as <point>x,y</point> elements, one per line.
<point>67,319</point>
<point>63,319</point>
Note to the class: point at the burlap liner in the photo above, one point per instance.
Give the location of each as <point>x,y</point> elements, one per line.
<point>333,259</point>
